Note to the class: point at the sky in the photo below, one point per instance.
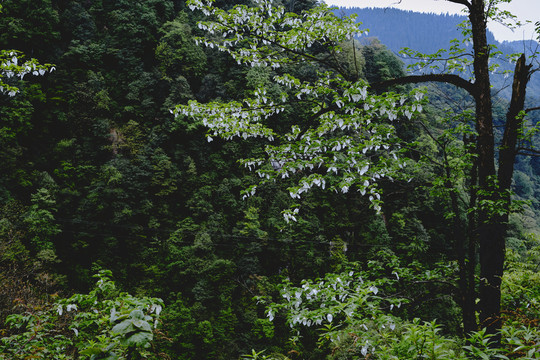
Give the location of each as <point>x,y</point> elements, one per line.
<point>523,9</point>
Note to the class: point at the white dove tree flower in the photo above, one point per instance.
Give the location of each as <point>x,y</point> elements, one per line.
<point>345,142</point>
<point>13,68</point>
<point>336,303</point>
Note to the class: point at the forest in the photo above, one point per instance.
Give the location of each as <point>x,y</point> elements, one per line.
<point>266,180</point>
<point>398,29</point>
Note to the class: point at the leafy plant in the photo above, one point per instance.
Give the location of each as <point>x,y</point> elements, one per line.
<point>103,324</point>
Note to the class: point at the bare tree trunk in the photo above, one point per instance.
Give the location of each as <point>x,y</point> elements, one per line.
<point>494,264</point>
<point>494,225</point>
<point>491,247</point>
<point>508,148</point>
<point>488,226</point>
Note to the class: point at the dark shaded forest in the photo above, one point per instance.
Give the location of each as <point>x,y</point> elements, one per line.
<point>100,182</point>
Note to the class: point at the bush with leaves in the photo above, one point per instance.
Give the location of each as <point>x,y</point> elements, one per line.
<point>103,324</point>
<point>359,314</point>
<point>521,285</point>
<point>356,308</point>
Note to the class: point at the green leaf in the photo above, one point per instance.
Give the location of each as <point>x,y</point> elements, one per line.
<point>137,314</point>
<point>109,356</point>
<point>139,339</point>
<point>142,324</point>
<point>91,351</point>
<point>124,327</point>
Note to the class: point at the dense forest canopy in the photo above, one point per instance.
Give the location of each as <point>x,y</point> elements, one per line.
<point>127,232</point>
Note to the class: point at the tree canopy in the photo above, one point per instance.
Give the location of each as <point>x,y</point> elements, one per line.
<point>262,180</point>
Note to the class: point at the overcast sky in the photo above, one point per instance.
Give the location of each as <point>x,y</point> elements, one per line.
<point>523,9</point>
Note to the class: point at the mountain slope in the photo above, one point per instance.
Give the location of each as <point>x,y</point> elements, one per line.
<point>427,33</point>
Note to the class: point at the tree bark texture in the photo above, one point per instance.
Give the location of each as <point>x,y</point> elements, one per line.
<point>491,249</point>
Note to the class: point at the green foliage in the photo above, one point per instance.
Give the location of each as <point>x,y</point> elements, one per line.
<point>345,140</point>
<point>40,220</point>
<point>400,340</point>
<point>360,311</point>
<point>380,63</point>
<point>521,285</point>
<point>13,67</point>
<point>177,53</point>
<point>358,317</point>
<point>260,356</point>
<point>103,324</point>
<point>95,173</point>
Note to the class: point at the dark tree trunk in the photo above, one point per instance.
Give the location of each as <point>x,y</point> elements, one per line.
<point>488,226</point>
<point>494,222</point>
<point>507,155</point>
<point>491,248</point>
<point>508,148</point>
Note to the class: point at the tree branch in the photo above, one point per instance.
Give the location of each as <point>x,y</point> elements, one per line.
<point>415,79</point>
<point>528,152</point>
<point>430,159</point>
<point>532,109</point>
<point>462,2</point>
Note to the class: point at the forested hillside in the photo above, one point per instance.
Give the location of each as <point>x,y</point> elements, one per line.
<point>428,33</point>
<point>132,226</point>
<point>401,28</point>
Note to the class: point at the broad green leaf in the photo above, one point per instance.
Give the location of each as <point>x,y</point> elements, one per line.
<point>124,327</point>
<point>139,339</point>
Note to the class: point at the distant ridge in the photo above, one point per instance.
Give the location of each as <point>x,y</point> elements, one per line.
<point>426,32</point>
<point>429,32</point>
